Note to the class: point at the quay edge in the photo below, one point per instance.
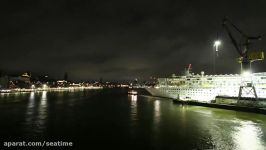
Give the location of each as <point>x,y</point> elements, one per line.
<point>238,107</point>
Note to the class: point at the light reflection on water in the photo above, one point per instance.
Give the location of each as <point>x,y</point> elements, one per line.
<point>183,118</point>
<point>156,119</point>
<point>42,112</point>
<point>231,130</point>
<point>248,136</point>
<point>30,107</point>
<point>29,122</point>
<point>36,114</point>
<point>4,94</point>
<point>133,107</point>
<point>157,111</point>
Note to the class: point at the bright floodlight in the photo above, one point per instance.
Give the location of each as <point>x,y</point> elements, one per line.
<point>246,73</point>
<point>217,44</point>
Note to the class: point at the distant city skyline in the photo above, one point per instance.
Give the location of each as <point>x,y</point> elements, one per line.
<point>124,40</point>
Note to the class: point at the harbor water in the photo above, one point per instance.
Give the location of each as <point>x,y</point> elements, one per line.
<point>112,119</point>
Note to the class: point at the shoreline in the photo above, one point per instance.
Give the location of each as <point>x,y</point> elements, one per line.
<point>10,91</point>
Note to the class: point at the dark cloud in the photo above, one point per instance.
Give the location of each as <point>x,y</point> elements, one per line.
<point>123,39</point>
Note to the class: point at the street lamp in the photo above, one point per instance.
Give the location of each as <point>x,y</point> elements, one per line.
<point>216,44</point>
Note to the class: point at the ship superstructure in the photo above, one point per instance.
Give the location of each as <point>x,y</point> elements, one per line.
<point>204,88</point>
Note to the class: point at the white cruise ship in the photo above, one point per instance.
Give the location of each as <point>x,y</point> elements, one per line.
<point>205,88</point>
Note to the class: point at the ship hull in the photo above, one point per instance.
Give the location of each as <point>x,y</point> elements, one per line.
<point>158,93</point>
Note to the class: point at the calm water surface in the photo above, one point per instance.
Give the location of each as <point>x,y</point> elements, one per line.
<point>111,119</point>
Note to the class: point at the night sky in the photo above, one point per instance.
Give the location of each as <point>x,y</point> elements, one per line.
<point>120,39</point>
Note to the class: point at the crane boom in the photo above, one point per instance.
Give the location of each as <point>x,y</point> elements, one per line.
<point>246,57</point>
<point>232,37</point>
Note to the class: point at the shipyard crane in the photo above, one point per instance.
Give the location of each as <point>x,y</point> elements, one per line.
<point>246,56</point>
